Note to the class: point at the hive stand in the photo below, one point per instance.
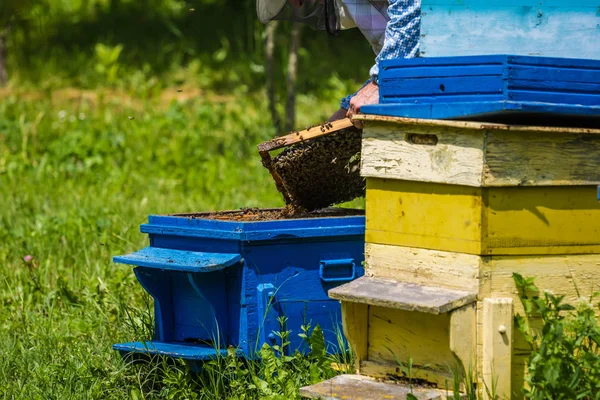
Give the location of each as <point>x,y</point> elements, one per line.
<point>453,210</point>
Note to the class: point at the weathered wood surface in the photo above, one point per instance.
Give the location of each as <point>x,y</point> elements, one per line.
<point>483,155</point>
<point>398,369</point>
<point>463,337</point>
<point>389,151</point>
<point>526,27</point>
<point>395,336</point>
<point>179,260</point>
<point>357,387</point>
<point>550,130</point>
<point>497,329</point>
<point>425,339</point>
<point>424,267</point>
<point>401,295</point>
<point>538,159</point>
<point>355,324</point>
<point>499,220</point>
<point>304,135</point>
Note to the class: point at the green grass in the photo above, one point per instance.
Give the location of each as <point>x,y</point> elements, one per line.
<point>78,177</point>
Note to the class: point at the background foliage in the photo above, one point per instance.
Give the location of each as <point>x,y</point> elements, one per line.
<point>114,110</point>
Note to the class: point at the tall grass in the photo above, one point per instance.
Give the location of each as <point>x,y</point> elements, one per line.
<point>78,174</point>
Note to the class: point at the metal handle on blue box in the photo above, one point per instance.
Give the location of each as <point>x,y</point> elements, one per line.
<point>328,269</point>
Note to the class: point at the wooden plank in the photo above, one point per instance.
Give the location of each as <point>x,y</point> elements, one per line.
<point>406,122</point>
<point>488,107</point>
<point>390,152</point>
<point>541,159</point>
<point>355,318</point>
<point>463,337</point>
<point>541,220</point>
<point>401,295</point>
<point>357,387</point>
<point>421,266</point>
<point>497,347</point>
<point>574,276</point>
<point>304,135</point>
<point>397,336</point>
<point>391,370</point>
<point>425,215</point>
<point>500,220</point>
<point>179,260</point>
<point>475,157</point>
<point>517,27</point>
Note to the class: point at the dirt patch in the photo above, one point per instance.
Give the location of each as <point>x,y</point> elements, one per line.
<point>257,214</point>
<point>322,172</point>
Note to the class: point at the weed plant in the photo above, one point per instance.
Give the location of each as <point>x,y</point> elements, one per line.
<point>564,339</point>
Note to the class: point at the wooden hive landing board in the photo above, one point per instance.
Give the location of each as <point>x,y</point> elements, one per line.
<point>357,387</point>
<point>402,295</point>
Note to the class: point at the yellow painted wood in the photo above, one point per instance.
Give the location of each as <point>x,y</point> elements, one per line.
<point>572,275</point>
<point>354,323</point>
<point>463,337</point>
<point>431,216</point>
<point>497,347</point>
<point>395,336</point>
<point>500,220</point>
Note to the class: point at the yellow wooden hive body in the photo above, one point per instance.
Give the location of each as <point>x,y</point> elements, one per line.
<point>453,209</point>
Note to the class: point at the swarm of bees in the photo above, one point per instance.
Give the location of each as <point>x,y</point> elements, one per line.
<point>324,171</point>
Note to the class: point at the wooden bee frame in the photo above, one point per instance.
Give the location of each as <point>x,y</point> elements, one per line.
<point>292,138</point>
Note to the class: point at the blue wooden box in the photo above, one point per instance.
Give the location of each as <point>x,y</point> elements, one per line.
<point>553,28</point>
<point>219,283</point>
<point>483,86</point>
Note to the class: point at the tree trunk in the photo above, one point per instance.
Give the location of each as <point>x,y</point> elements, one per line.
<point>269,54</point>
<point>3,54</point>
<point>292,74</point>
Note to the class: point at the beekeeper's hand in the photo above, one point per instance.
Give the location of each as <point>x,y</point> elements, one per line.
<point>365,96</point>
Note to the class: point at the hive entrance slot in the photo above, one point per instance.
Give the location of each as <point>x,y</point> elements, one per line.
<point>417,138</point>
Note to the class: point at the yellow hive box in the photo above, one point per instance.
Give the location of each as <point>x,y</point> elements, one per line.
<point>472,334</point>
<point>453,210</point>
<point>481,188</point>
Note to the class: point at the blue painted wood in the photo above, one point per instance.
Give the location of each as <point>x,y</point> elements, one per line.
<point>179,260</point>
<point>529,27</point>
<point>181,350</point>
<point>480,110</point>
<point>479,85</point>
<point>285,268</point>
<point>251,231</point>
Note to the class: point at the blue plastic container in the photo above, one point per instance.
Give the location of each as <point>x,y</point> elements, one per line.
<point>220,283</point>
